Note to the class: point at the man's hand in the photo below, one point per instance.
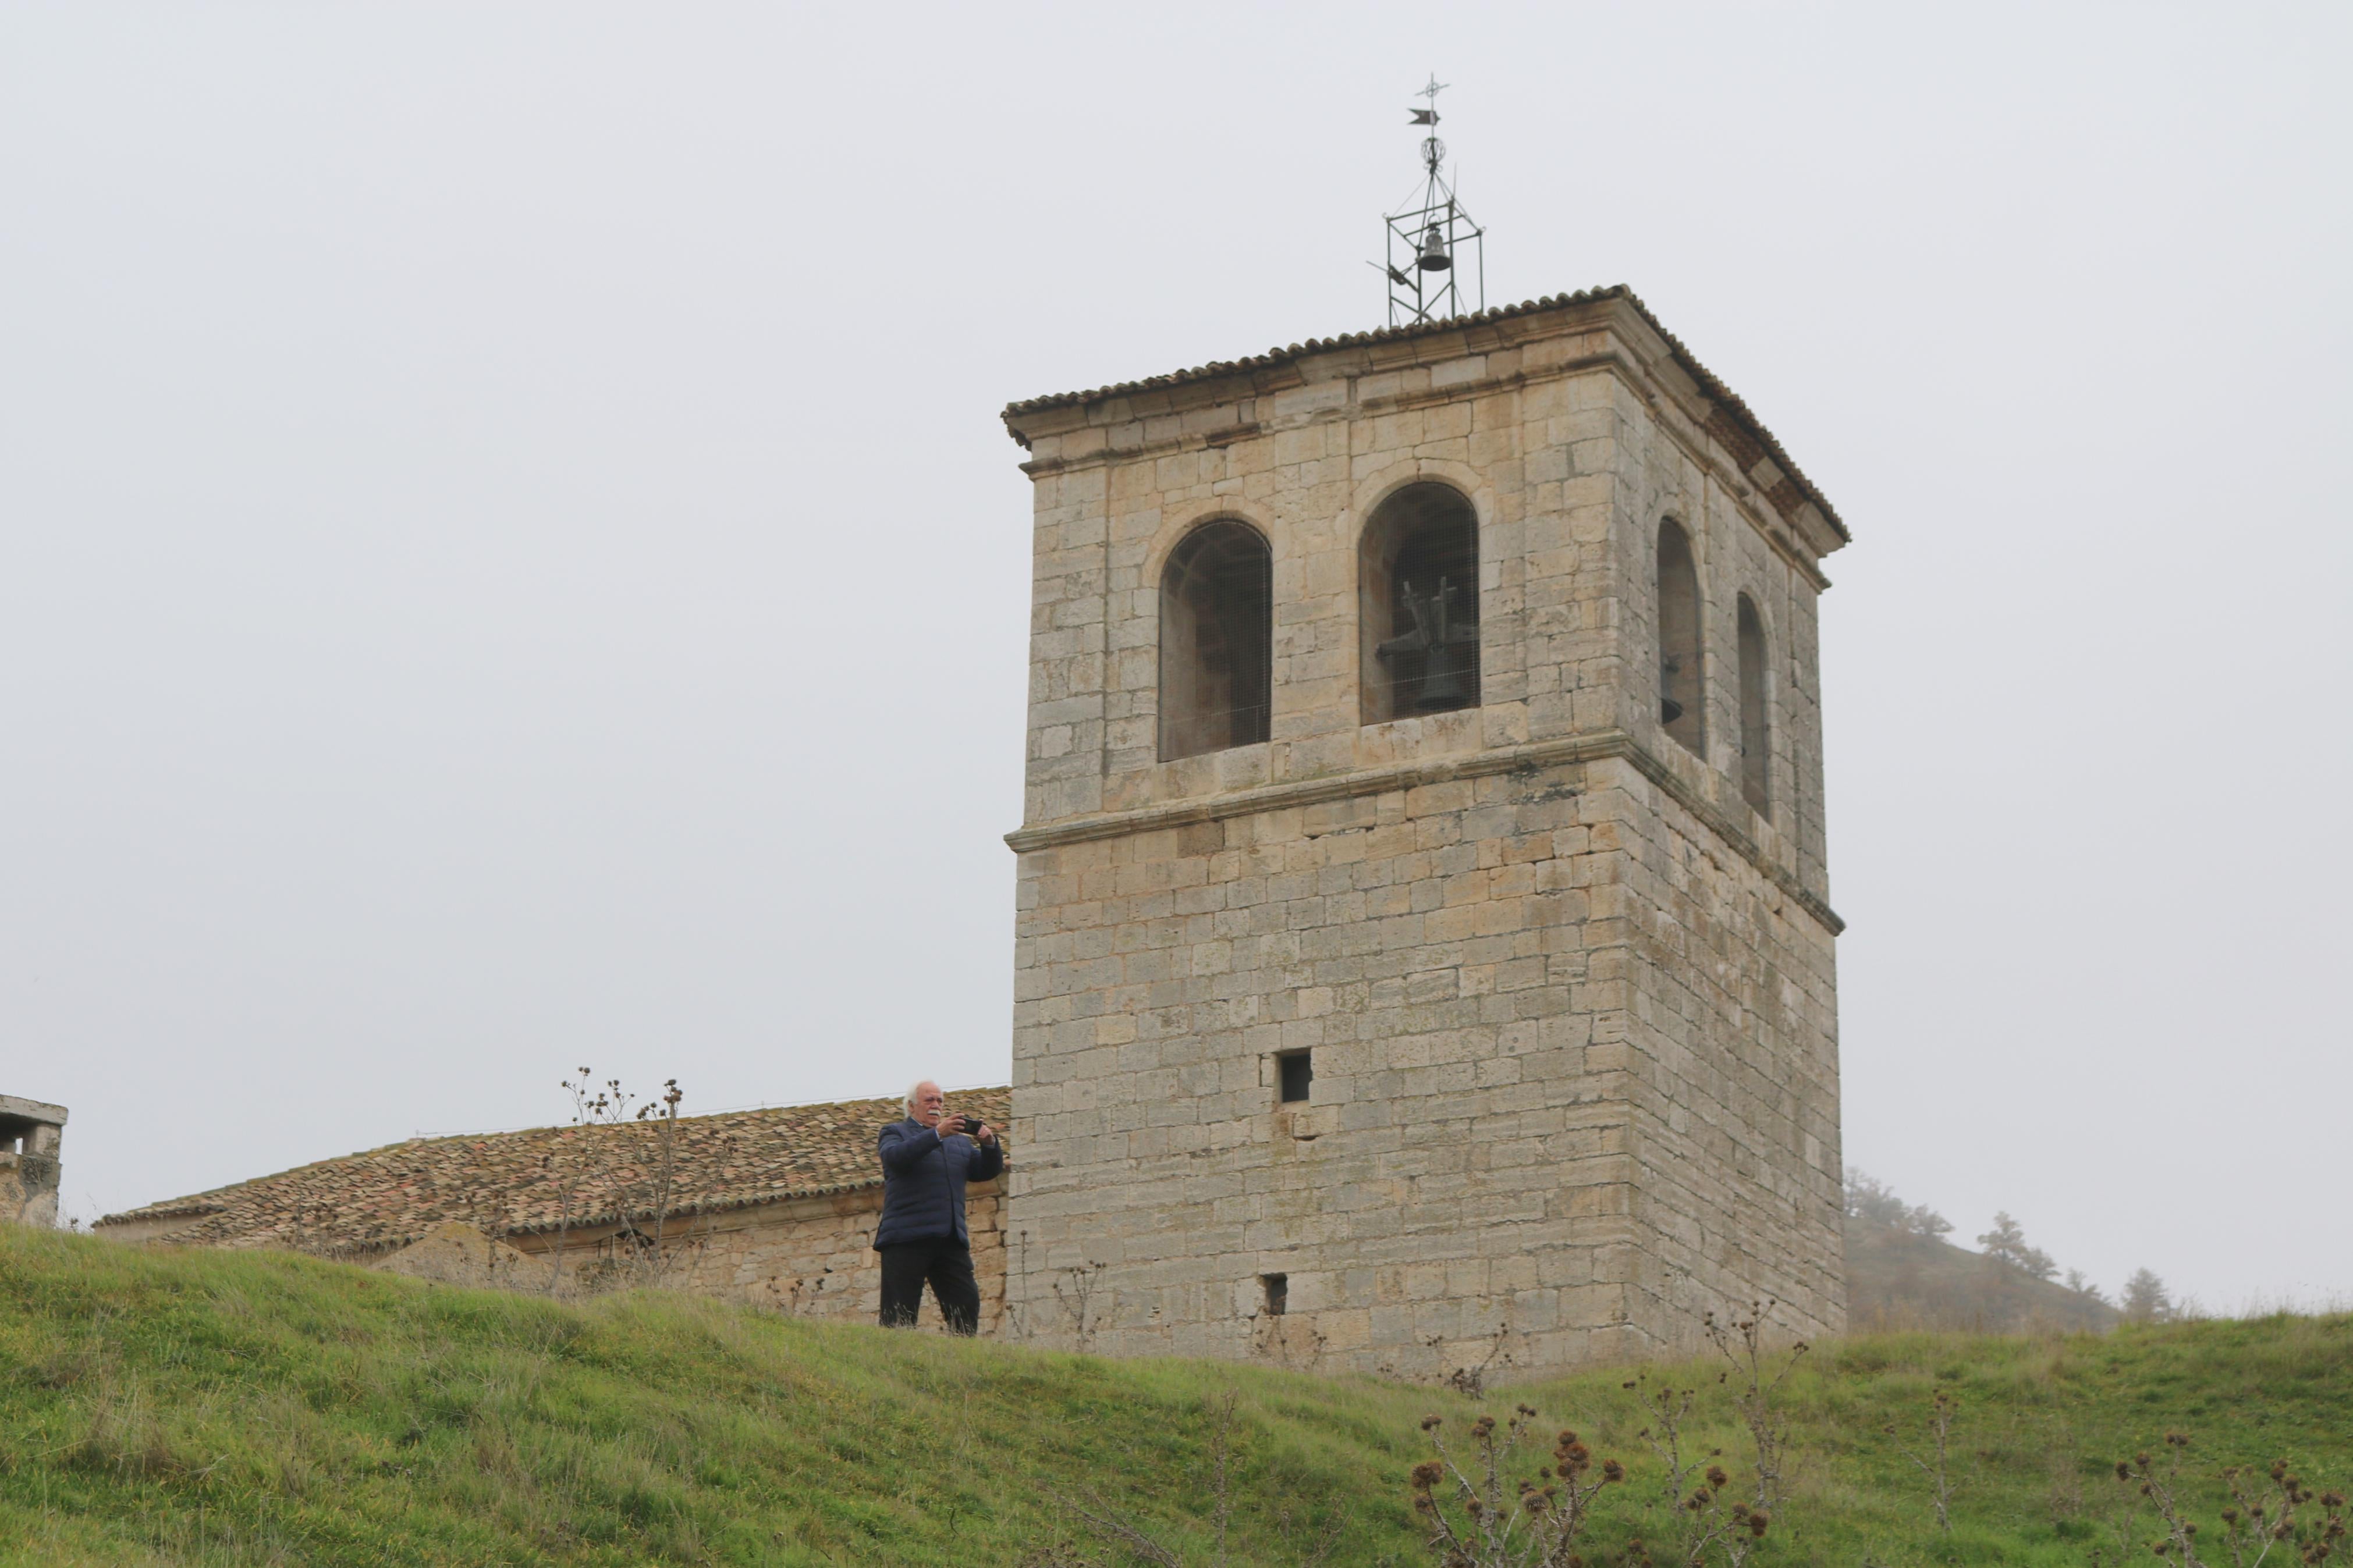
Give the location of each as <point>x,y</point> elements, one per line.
<point>983,1133</point>
<point>949,1126</point>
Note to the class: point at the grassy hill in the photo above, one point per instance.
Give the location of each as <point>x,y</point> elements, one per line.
<point>1897,1278</point>
<point>206,1407</point>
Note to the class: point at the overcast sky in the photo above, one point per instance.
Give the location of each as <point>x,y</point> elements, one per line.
<point>509,560</point>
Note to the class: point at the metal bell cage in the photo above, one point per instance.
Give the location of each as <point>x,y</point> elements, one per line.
<point>1426,258</point>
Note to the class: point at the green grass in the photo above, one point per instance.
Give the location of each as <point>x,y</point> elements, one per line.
<point>215,1409</point>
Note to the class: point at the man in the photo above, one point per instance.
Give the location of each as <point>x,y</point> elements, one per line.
<point>926,1161</point>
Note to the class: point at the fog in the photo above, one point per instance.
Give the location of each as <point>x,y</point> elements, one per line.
<point>509,560</point>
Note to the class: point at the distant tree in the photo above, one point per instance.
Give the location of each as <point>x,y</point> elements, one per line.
<point>2082,1286</point>
<point>2145,1299</point>
<point>1868,1198</point>
<point>1875,1203</point>
<point>2007,1243</point>
<point>1925,1221</point>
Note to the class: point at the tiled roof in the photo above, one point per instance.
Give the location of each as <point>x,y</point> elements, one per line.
<point>515,1180</point>
<point>1741,430</point>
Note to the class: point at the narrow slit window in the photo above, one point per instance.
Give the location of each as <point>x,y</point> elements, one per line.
<point>1217,641</point>
<point>1756,722</point>
<point>1682,696</point>
<point>1277,1290</point>
<point>1418,605</point>
<point>1295,1071</point>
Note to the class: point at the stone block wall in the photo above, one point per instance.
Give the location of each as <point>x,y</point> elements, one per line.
<point>811,1256</point>
<point>1731,1050</point>
<point>1570,997</point>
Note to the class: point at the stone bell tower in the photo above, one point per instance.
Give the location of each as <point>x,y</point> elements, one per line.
<point>1424,950</point>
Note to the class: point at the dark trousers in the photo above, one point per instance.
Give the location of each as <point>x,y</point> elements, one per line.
<point>947,1264</point>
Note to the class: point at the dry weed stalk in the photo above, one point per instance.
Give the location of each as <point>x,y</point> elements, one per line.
<point>1761,1374</point>
<point>1666,1407</point>
<point>1078,1301</point>
<point>1538,1526</point>
<point>604,1151</point>
<point>1718,1533</point>
<point>2261,1518</point>
<point>1470,1382</point>
<point>1941,1411</point>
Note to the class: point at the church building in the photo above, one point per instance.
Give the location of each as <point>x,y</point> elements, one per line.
<point>1424,954</point>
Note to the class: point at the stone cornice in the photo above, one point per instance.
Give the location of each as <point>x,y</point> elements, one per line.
<point>1591,746</point>
<point>1685,432</point>
<point>1757,451</point>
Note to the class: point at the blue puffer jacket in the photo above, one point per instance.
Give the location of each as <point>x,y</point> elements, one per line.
<point>923,1181</point>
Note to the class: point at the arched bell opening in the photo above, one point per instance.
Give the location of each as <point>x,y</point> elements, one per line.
<point>1755,723</point>
<point>1681,698</point>
<point>1418,605</point>
<point>1217,640</point>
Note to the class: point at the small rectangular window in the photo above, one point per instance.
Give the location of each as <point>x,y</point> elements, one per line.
<point>1298,1070</point>
<point>1277,1292</point>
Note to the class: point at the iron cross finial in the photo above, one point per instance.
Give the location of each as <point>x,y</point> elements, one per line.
<point>1430,116</point>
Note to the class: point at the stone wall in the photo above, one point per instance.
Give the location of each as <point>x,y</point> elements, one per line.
<point>1732,1052</point>
<point>811,1257</point>
<point>1570,998</point>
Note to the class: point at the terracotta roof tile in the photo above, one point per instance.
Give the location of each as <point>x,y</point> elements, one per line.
<point>387,1197</point>
<point>1751,435</point>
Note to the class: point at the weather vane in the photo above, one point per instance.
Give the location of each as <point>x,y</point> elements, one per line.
<point>1425,242</point>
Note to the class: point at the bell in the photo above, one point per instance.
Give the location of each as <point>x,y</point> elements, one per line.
<point>1669,709</point>
<point>1433,257</point>
<point>1441,686</point>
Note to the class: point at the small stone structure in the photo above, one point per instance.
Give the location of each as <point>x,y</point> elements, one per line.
<point>31,1134</point>
<point>774,1208</point>
<point>1425,962</point>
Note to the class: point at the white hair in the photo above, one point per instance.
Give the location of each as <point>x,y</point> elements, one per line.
<point>914,1090</point>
